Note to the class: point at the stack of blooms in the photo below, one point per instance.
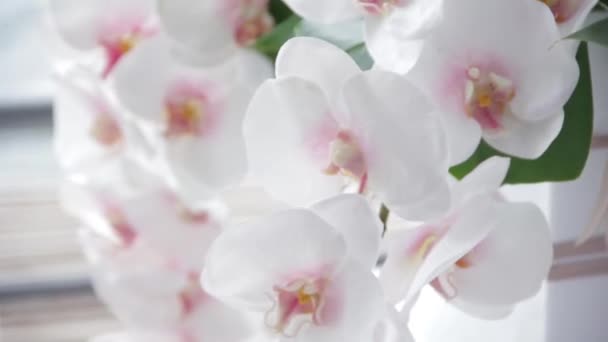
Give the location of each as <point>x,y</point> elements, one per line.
<point>222,204</point>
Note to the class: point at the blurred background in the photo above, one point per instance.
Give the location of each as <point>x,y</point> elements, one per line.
<point>45,295</point>
<point>44,290</point>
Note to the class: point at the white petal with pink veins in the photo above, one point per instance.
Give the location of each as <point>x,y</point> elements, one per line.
<point>518,248</point>
<point>395,38</point>
<point>301,273</point>
<point>212,31</point>
<point>196,113</point>
<point>489,81</point>
<point>88,127</point>
<point>404,143</point>
<point>526,139</point>
<point>288,129</point>
<point>116,26</point>
<point>246,262</point>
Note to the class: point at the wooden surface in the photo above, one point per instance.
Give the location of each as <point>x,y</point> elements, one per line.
<point>44,296</point>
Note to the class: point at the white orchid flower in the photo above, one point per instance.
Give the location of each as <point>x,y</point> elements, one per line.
<point>114,26</point>
<point>306,273</point>
<point>506,85</point>
<point>212,30</point>
<point>194,115</point>
<point>91,132</point>
<point>155,215</point>
<point>323,125</point>
<point>394,29</point>
<point>485,256</point>
<point>149,295</point>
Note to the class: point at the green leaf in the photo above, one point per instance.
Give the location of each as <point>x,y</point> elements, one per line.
<point>565,158</point>
<point>279,11</point>
<point>360,54</point>
<point>270,43</point>
<point>596,33</point>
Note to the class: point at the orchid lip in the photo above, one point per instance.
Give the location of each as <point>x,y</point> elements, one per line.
<point>346,157</point>
<point>562,10</point>
<point>251,21</point>
<point>297,304</point>
<point>188,110</point>
<point>487,95</point>
<point>120,224</point>
<point>106,130</point>
<point>379,7</point>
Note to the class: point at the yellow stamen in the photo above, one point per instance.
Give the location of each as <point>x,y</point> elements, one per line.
<point>484,100</point>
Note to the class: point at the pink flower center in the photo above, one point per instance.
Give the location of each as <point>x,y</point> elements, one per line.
<point>298,303</point>
<point>191,295</point>
<point>188,110</point>
<point>250,19</point>
<point>378,7</point>
<point>106,130</point>
<point>346,156</point>
<point>487,95</point>
<point>119,35</point>
<point>120,224</point>
<point>562,10</point>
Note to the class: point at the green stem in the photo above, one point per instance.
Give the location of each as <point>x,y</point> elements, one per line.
<point>384,214</point>
<point>354,47</point>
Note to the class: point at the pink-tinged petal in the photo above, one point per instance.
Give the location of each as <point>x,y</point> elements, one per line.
<point>395,39</point>
<point>116,26</point>
<point>403,143</point>
<point>288,130</point>
<point>570,15</point>
<point>212,31</point>
<point>206,164</point>
<point>471,225</point>
<point>510,264</point>
<point>361,228</point>
<point>132,282</point>
<point>469,71</point>
<point>406,250</point>
<point>354,303</point>
<point>246,262</point>
<point>524,139</point>
<point>166,223</point>
<point>326,12</point>
<point>487,177</point>
<point>139,90</point>
<point>196,114</point>
<point>88,128</point>
<point>317,61</point>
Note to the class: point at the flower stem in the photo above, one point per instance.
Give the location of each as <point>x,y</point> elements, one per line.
<point>384,213</point>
